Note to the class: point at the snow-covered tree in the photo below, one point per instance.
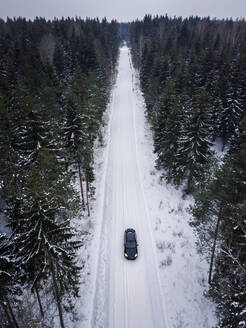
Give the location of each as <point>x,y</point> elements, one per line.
<point>168,145</point>
<point>42,230</point>
<point>5,148</point>
<point>231,114</point>
<point>219,219</point>
<point>9,282</point>
<point>161,113</point>
<point>194,141</point>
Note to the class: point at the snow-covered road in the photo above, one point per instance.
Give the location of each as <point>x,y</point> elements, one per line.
<point>128,293</point>
<point>164,287</point>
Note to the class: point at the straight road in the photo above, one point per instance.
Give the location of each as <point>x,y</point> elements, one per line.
<point>128,293</point>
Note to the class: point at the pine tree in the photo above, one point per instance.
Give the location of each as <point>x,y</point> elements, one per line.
<point>42,232</point>
<point>233,110</point>
<point>5,148</point>
<point>21,132</point>
<point>9,281</point>
<point>160,113</point>
<point>224,201</point>
<point>146,66</point>
<point>194,145</point>
<point>168,148</point>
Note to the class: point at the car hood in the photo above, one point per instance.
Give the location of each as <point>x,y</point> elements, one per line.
<point>131,252</point>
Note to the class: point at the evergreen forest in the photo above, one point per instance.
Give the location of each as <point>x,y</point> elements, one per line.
<point>193,78</point>
<point>55,82</point>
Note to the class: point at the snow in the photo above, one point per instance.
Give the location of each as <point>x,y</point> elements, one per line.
<point>164,287</point>
<point>3,222</point>
<point>217,147</point>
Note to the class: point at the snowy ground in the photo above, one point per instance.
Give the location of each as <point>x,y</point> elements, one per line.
<point>164,287</point>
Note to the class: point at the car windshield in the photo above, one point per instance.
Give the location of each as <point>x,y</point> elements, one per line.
<point>130,244</point>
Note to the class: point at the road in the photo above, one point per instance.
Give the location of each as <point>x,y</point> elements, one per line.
<point>127,293</point>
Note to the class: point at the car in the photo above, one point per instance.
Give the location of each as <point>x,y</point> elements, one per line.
<point>130,244</point>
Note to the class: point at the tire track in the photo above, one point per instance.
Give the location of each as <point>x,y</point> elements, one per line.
<point>97,313</point>
<point>127,293</point>
<point>140,175</point>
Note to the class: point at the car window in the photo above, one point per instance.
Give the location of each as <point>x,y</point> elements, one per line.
<point>130,244</point>
<point>130,236</point>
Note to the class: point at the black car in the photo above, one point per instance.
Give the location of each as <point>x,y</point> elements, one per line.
<point>130,244</point>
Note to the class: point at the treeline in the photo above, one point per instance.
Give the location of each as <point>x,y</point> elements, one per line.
<point>55,79</point>
<point>193,78</point>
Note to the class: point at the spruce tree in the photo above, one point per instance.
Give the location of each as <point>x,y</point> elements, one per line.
<point>168,148</point>
<point>224,201</point>
<point>194,141</point>
<point>9,282</point>
<point>233,110</point>
<point>42,230</point>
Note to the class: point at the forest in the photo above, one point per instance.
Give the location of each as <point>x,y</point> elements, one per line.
<point>55,82</point>
<point>193,77</point>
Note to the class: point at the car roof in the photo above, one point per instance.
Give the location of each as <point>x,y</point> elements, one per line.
<point>130,234</point>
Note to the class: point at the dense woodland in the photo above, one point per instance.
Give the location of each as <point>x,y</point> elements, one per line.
<point>193,78</point>
<point>55,81</point>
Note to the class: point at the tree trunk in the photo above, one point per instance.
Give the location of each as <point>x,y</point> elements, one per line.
<point>81,185</point>
<point>39,301</point>
<point>214,245</point>
<point>189,182</point>
<point>57,295</point>
<point>6,313</point>
<point>11,313</point>
<point>87,190</point>
<point>223,145</point>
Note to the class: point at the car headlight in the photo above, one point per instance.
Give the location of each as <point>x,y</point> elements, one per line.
<point>136,255</point>
<point>126,255</point>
